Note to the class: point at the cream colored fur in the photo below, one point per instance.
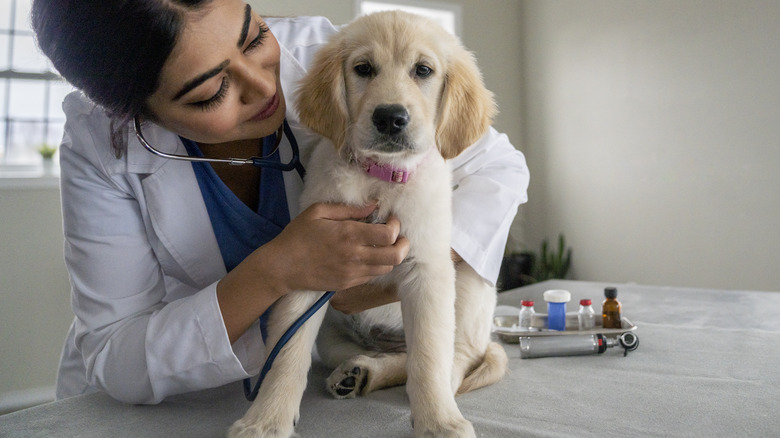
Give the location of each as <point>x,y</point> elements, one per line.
<point>445,310</point>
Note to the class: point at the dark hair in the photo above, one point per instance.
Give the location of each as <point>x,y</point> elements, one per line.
<point>112,50</point>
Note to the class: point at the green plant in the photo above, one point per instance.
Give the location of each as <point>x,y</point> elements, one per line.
<point>553,263</point>
<point>46,151</point>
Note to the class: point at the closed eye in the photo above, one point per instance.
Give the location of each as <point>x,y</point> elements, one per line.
<point>216,99</point>
<point>261,36</point>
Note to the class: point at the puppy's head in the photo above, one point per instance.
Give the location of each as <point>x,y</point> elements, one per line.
<point>392,85</point>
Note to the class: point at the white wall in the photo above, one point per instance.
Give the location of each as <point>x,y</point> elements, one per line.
<point>34,291</point>
<point>653,133</point>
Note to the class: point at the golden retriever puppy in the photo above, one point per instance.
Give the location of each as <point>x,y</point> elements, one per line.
<point>397,96</point>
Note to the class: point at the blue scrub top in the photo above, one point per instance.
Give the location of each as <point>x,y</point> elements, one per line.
<point>238,229</point>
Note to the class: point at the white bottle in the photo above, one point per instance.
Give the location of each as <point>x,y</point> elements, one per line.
<point>556,308</point>
<point>586,316</point>
<point>526,315</point>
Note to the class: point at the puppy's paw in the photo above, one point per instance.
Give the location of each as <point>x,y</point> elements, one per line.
<point>348,380</point>
<point>240,429</point>
<point>262,426</point>
<point>454,428</point>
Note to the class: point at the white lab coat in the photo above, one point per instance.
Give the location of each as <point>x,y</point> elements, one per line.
<point>144,261</point>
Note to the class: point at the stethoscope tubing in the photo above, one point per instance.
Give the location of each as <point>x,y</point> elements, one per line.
<point>159,153</point>
<point>294,164</point>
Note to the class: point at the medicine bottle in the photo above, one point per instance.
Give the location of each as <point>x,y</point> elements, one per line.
<point>586,315</point>
<point>526,314</point>
<point>610,309</point>
<point>556,308</point>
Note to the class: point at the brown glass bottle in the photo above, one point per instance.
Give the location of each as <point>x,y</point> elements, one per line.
<point>610,309</point>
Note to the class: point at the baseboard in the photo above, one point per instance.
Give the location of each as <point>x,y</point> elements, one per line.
<point>16,400</point>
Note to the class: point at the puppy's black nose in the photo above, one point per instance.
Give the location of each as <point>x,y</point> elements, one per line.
<point>390,119</point>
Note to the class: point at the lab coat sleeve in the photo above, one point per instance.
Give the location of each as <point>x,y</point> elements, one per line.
<point>490,181</point>
<point>137,344</point>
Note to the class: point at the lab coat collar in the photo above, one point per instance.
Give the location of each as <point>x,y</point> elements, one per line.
<point>139,160</point>
<point>175,206</point>
<point>181,221</point>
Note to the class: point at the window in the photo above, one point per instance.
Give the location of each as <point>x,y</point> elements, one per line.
<point>447,15</point>
<point>31,92</point>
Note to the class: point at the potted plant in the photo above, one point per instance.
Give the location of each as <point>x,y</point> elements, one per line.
<point>552,263</point>
<point>47,153</point>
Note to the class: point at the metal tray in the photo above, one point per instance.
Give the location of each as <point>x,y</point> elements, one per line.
<point>503,327</point>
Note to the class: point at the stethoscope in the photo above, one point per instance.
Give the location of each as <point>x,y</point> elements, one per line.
<point>293,164</point>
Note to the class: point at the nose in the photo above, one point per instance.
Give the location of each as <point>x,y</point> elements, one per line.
<point>257,83</point>
<point>390,119</point>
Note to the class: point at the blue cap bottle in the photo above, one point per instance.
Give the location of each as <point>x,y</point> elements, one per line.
<point>556,308</point>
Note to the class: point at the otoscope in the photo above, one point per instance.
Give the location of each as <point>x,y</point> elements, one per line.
<point>574,345</point>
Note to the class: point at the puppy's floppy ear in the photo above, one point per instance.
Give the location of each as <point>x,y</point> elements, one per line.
<point>467,108</point>
<point>322,96</point>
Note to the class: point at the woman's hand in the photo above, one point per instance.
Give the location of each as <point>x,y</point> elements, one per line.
<point>326,247</point>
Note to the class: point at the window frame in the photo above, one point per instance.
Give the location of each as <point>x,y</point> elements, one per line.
<point>454,9</point>
<point>17,159</point>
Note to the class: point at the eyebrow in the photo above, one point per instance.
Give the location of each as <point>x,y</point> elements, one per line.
<point>245,27</point>
<point>200,79</point>
<point>190,85</point>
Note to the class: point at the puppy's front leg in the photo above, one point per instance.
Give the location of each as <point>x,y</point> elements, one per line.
<point>428,305</point>
<point>478,361</point>
<point>276,409</point>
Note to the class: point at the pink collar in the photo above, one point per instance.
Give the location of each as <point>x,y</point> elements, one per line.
<point>385,172</point>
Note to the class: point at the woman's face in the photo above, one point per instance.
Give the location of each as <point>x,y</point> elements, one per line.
<point>221,81</point>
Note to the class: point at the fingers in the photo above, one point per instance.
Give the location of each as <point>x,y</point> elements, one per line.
<point>361,233</point>
<point>385,255</point>
<point>379,234</point>
<point>327,247</point>
<point>379,244</point>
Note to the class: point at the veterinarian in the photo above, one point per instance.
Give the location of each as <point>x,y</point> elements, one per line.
<point>171,262</point>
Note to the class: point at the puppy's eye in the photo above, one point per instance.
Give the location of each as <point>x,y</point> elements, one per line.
<point>364,70</point>
<point>423,71</point>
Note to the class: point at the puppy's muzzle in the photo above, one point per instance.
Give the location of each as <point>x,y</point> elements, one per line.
<point>390,120</point>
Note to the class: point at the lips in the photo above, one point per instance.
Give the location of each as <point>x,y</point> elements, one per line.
<point>268,110</point>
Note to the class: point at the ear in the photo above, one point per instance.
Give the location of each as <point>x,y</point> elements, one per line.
<point>322,97</point>
<point>467,107</point>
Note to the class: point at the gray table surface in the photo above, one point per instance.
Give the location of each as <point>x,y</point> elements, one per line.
<point>708,365</point>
